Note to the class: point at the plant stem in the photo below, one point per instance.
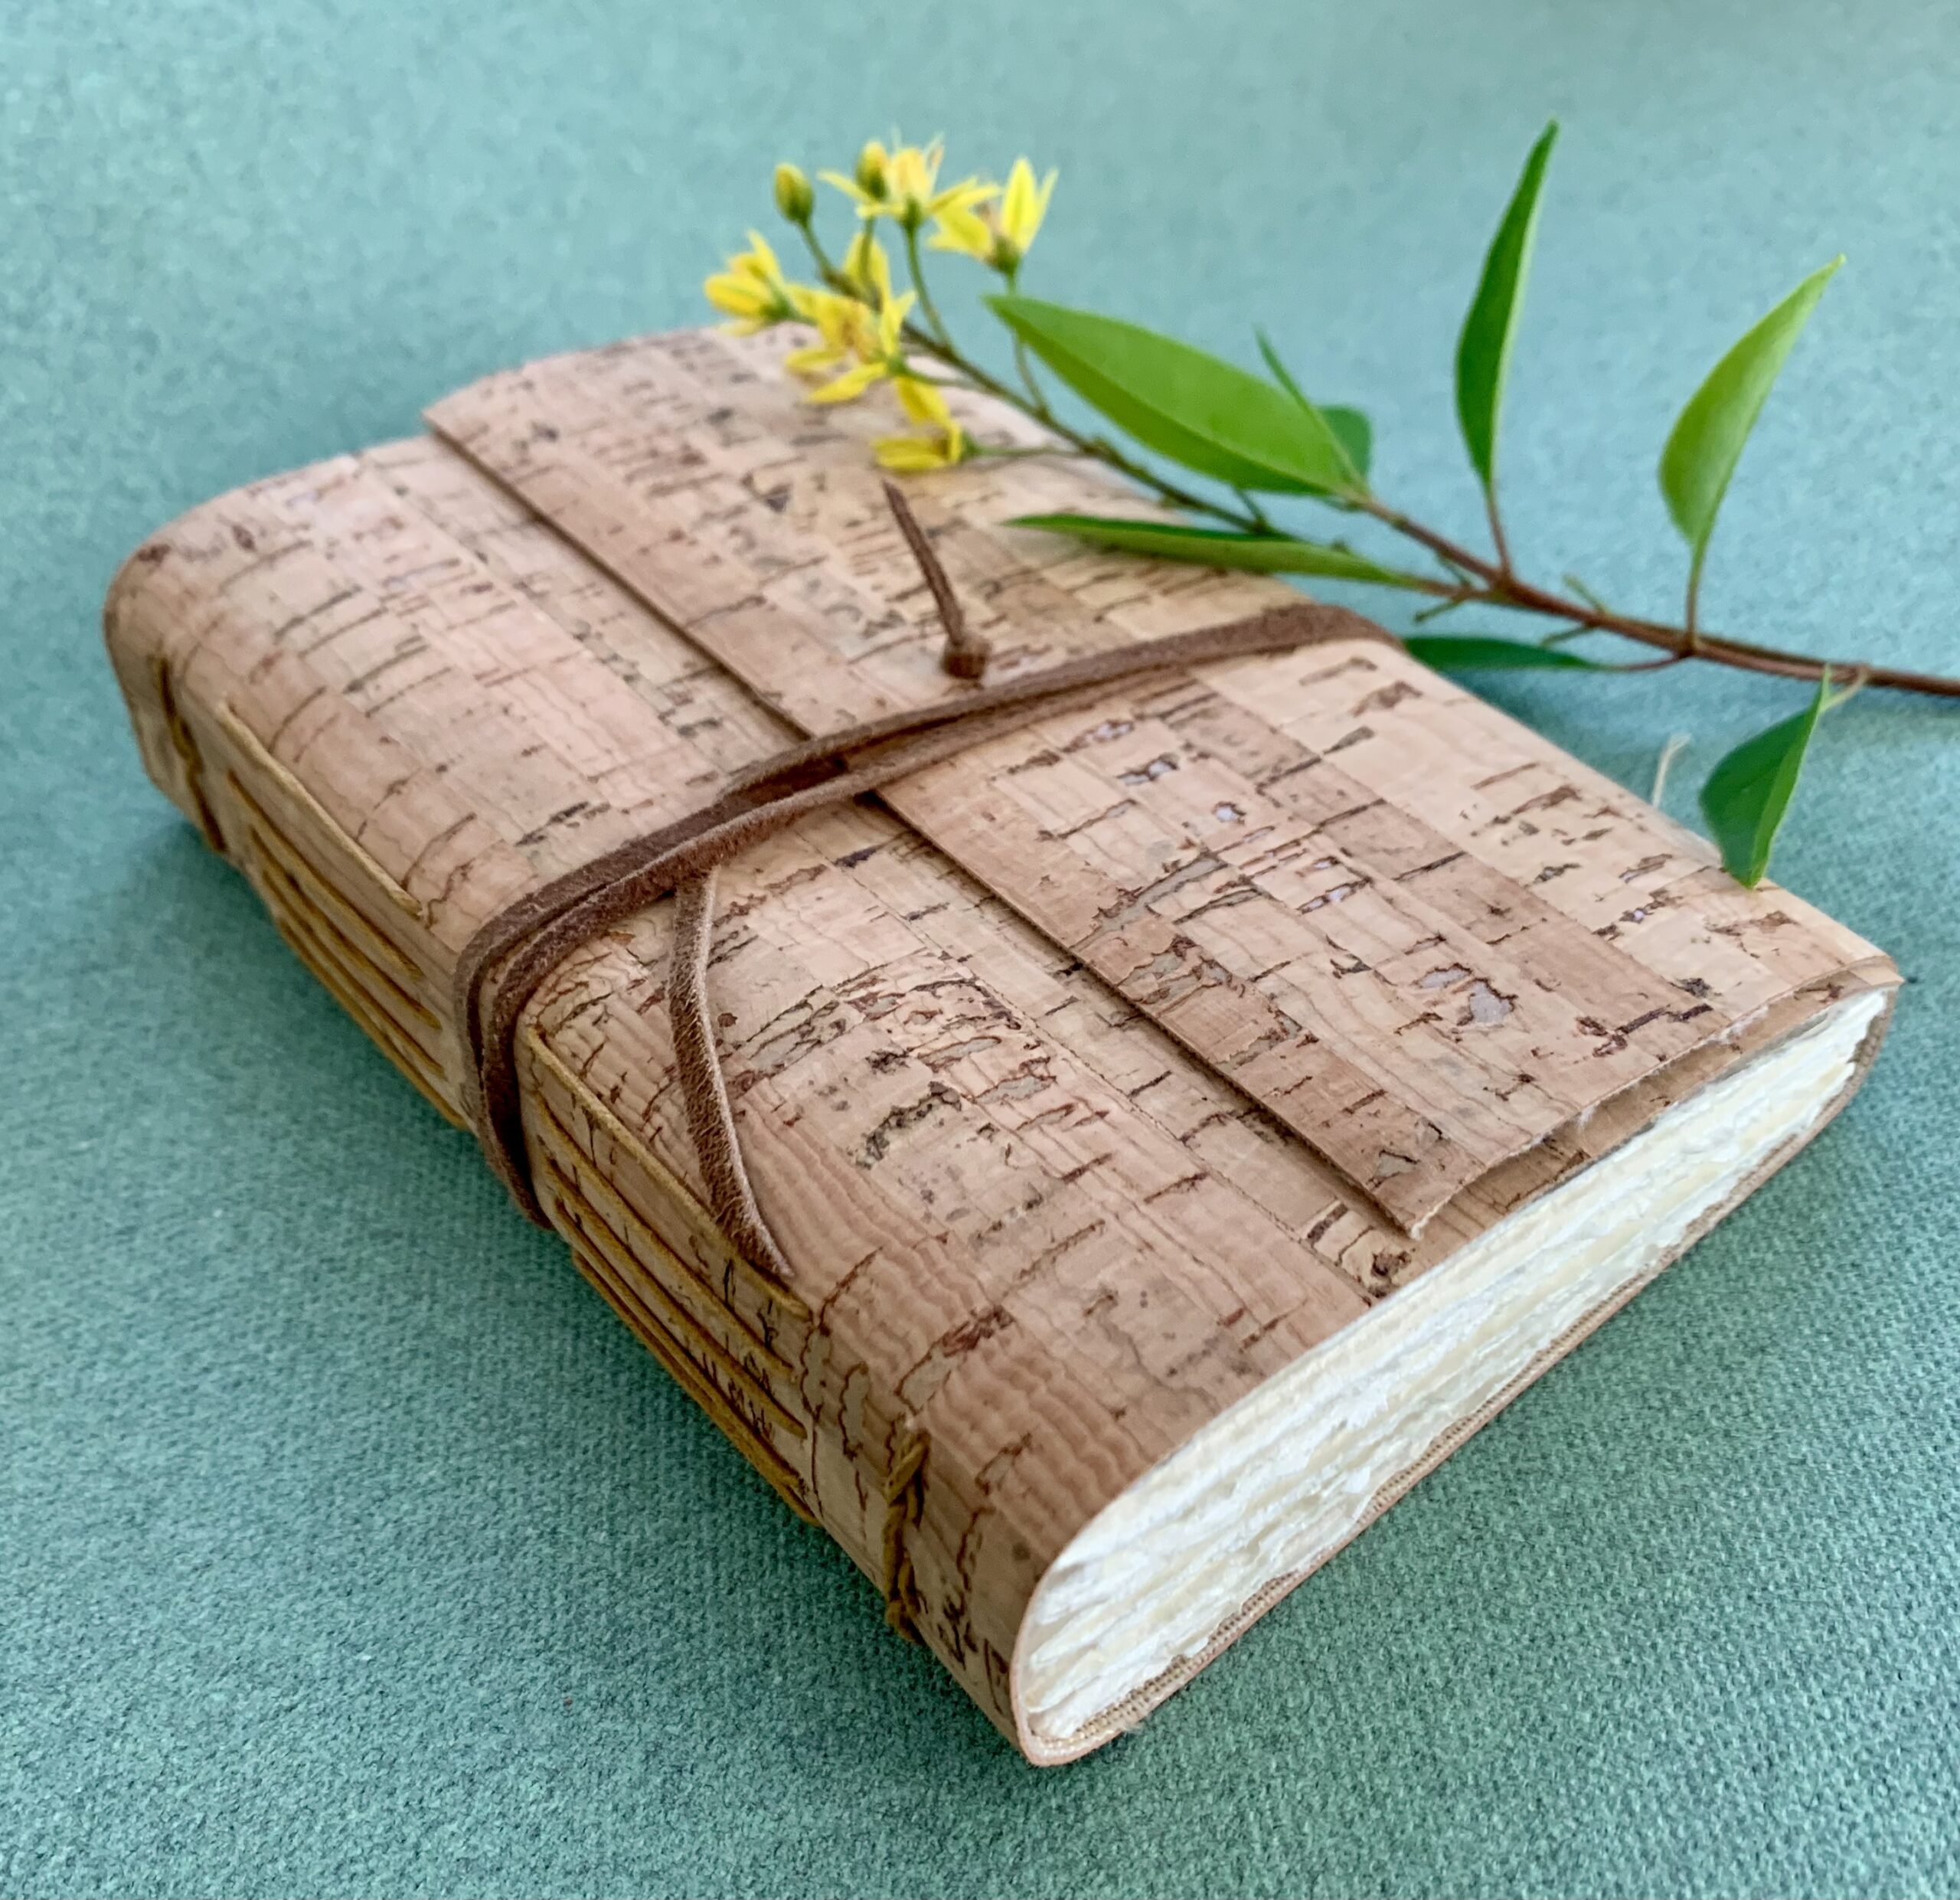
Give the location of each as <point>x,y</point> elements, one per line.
<point>826,271</point>
<point>943,342</point>
<point>1585,593</point>
<point>1496,528</point>
<point>1021,362</point>
<point>1038,402</point>
<point>1677,743</point>
<point>1508,590</point>
<point>1479,582</point>
<point>1253,508</point>
<point>1097,448</point>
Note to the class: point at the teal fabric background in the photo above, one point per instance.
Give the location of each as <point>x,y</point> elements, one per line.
<point>348,1545</point>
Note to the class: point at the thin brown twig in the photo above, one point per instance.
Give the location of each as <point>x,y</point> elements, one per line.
<point>1479,581</point>
<point>1680,642</point>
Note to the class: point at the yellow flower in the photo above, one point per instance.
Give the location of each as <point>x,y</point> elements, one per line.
<point>904,184</point>
<point>794,198</point>
<point>881,352</point>
<point>998,235</point>
<point>870,171</point>
<point>865,328</point>
<point>919,455</point>
<point>753,290</point>
<point>1023,206</point>
<point>965,231</point>
<point>846,329</point>
<point>922,401</point>
<point>944,442</point>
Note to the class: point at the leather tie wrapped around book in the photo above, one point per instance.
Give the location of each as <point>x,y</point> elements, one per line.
<point>525,941</point>
<point>1225,1063</point>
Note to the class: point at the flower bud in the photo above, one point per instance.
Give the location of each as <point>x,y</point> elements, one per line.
<point>872,180</point>
<point>794,198</point>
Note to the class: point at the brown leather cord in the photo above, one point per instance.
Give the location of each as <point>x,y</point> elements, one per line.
<point>966,653</point>
<point>502,965</point>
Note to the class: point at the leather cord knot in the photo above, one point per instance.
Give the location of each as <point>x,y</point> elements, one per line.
<point>504,963</point>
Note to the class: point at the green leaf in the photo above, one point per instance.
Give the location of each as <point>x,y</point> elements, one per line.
<point>1355,433</point>
<point>1221,547</point>
<point>1349,427</point>
<point>1706,441</point>
<point>1749,793</point>
<point>1483,351</point>
<point>1464,652</point>
<point>1199,410</point>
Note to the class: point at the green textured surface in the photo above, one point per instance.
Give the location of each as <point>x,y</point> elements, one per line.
<point>347,1545</point>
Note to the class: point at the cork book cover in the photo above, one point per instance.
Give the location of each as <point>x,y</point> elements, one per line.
<point>1096,1073</point>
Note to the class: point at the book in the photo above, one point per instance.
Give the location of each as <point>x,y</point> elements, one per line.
<point>1184,1119</point>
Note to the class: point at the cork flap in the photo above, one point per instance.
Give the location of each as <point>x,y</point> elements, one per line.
<point>1289,863</point>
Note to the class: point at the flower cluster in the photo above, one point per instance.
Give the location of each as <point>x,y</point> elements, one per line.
<point>1209,440</point>
<point>868,330</point>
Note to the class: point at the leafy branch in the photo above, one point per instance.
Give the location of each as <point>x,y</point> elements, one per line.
<point>1251,437</point>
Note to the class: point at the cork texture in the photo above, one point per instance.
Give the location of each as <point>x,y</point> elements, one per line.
<point>1087,1080</point>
